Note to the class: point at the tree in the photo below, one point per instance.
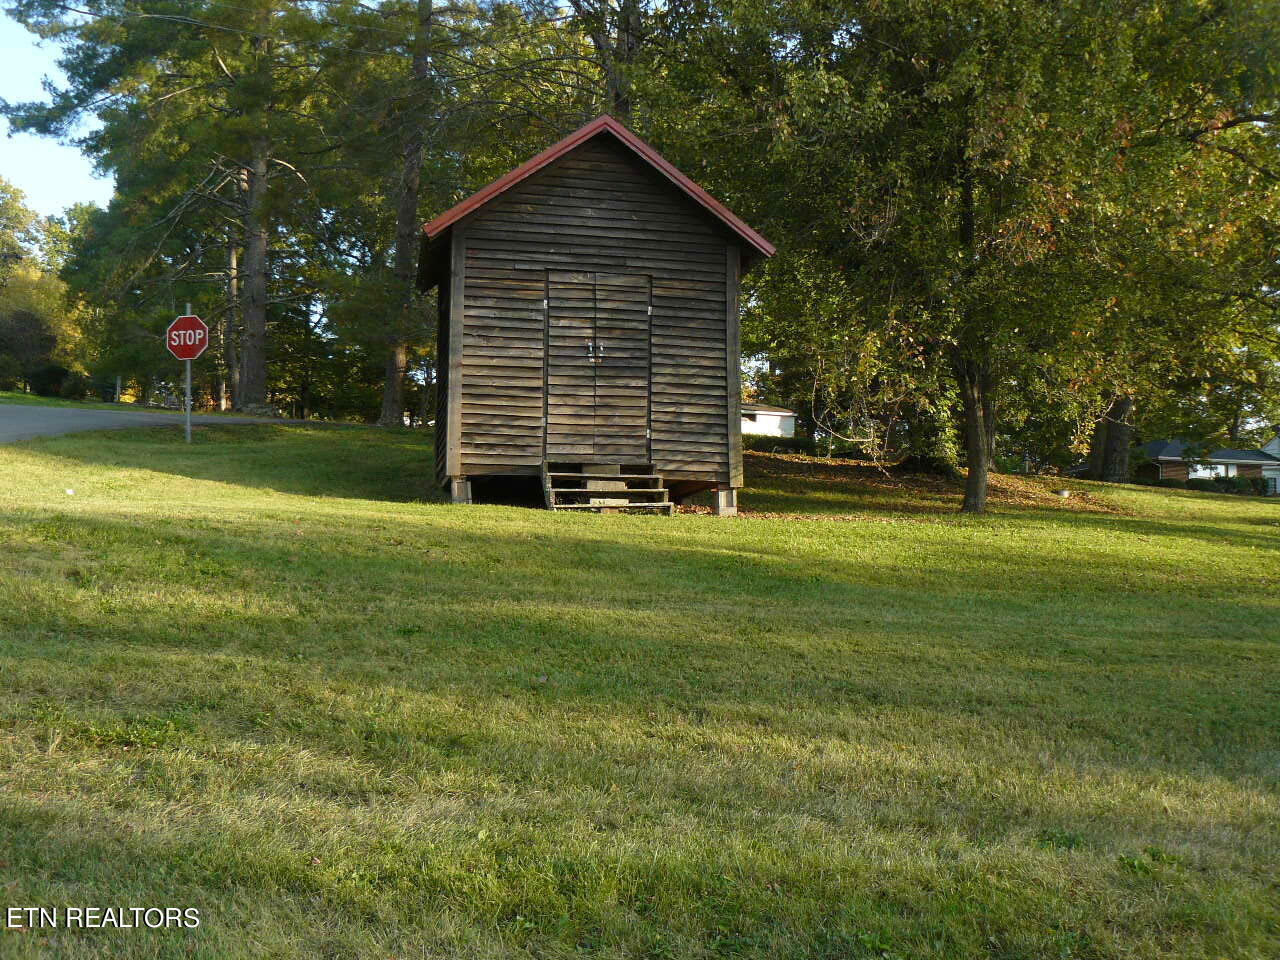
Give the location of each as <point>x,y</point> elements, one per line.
<point>17,229</point>
<point>617,33</point>
<point>34,328</point>
<point>957,164</point>
<point>408,236</point>
<point>202,113</point>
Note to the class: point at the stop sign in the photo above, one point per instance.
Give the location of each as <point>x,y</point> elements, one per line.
<point>187,337</point>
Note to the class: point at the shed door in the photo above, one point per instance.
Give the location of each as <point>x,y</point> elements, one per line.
<point>597,366</point>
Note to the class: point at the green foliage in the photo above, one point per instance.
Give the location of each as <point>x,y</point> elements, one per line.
<point>47,381</point>
<point>74,386</point>
<point>1247,486</point>
<point>18,233</point>
<point>1057,221</point>
<point>10,372</point>
<point>183,104</point>
<point>1048,204</point>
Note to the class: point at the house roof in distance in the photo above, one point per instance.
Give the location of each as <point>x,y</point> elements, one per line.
<point>603,125</point>
<point>765,408</point>
<point>1179,450</point>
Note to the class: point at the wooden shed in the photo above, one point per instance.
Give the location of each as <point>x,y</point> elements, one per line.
<point>588,329</point>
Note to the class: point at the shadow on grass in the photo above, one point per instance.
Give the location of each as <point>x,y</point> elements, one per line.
<point>318,460</point>
<point>634,737</point>
<point>681,622</point>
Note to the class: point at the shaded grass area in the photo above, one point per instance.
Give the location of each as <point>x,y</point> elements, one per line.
<point>800,485</point>
<point>271,677</point>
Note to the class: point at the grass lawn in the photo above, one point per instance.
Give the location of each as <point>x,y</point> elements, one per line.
<point>17,396</point>
<point>270,677</point>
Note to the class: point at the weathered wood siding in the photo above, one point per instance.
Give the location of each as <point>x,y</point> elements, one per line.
<point>596,210</point>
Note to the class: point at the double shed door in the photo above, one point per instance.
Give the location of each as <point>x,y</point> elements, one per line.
<point>598,366</point>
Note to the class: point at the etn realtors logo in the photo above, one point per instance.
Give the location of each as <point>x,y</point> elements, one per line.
<point>101,918</point>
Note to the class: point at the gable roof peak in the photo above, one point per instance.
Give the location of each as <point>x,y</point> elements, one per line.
<point>603,124</point>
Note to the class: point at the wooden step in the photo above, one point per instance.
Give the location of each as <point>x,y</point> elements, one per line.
<point>640,492</point>
<point>590,487</point>
<point>665,507</point>
<point>604,487</point>
<point>598,469</point>
<point>606,476</point>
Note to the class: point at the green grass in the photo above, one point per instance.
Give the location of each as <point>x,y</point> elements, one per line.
<point>32,399</point>
<point>269,677</point>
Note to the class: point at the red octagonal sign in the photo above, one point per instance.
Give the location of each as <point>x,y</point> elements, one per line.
<point>187,337</point>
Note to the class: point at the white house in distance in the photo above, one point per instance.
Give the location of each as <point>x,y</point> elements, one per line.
<point>1271,474</point>
<point>766,421</point>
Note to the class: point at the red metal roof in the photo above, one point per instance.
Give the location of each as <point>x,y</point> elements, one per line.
<point>602,124</point>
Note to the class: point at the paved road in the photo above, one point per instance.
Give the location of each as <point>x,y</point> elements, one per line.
<point>20,421</point>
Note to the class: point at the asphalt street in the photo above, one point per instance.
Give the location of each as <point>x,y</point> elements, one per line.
<point>20,421</point>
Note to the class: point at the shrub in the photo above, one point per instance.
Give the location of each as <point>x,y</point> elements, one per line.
<point>1172,483</point>
<point>10,372</point>
<point>1203,484</point>
<point>1248,486</point>
<point>1147,475</point>
<point>75,386</point>
<point>47,381</point>
<point>104,388</point>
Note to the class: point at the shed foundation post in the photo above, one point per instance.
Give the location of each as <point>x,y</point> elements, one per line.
<point>726,502</point>
<point>459,490</point>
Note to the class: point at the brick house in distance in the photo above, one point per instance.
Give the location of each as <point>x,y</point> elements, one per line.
<point>1172,460</point>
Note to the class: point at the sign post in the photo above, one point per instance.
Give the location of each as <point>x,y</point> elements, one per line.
<point>187,338</point>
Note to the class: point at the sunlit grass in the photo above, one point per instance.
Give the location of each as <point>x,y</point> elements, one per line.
<point>269,676</point>
<point>32,399</point>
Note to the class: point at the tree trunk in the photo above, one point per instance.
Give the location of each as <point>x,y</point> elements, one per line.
<point>627,45</point>
<point>989,420</point>
<point>1112,440</point>
<point>1115,466</point>
<point>976,445</point>
<point>408,235</point>
<point>972,364</point>
<point>617,45</point>
<point>231,329</point>
<point>1098,449</point>
<point>253,377</point>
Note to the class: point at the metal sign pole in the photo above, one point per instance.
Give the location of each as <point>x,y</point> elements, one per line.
<point>186,338</point>
<point>188,403</point>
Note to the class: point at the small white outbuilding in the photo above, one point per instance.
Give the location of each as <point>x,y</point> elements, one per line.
<point>766,421</point>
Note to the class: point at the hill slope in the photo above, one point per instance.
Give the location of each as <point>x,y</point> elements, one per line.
<point>266,677</point>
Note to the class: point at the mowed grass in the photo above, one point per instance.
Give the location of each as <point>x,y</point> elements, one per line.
<point>270,677</point>
<point>33,399</point>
